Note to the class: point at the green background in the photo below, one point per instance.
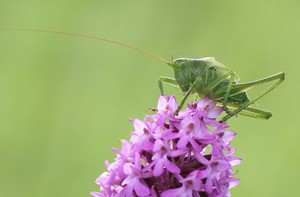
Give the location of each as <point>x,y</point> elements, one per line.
<point>64,101</point>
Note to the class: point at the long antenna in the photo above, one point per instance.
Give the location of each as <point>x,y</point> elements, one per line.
<point>90,37</point>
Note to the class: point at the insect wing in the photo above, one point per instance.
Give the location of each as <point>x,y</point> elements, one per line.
<point>221,66</point>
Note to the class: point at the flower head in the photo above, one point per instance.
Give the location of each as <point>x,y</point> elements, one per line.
<point>185,155</point>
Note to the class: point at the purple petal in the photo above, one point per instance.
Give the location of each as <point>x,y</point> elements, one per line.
<point>147,145</point>
<point>128,191</point>
<point>172,167</point>
<point>204,173</point>
<point>139,126</point>
<point>162,102</point>
<point>158,144</point>
<point>179,152</point>
<point>173,103</point>
<point>173,192</point>
<point>215,112</point>
<point>222,165</point>
<point>235,161</point>
<point>128,168</point>
<point>172,135</point>
<point>203,102</point>
<point>228,136</point>
<point>97,194</point>
<point>181,144</point>
<point>233,183</point>
<point>195,145</point>
<point>141,189</point>
<point>158,168</point>
<point>187,121</point>
<point>209,185</point>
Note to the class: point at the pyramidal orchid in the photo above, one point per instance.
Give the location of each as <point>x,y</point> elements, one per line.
<point>188,155</point>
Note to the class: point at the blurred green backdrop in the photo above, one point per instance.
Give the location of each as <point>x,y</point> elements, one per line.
<point>64,101</point>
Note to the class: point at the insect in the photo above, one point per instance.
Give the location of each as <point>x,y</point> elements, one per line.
<point>205,77</point>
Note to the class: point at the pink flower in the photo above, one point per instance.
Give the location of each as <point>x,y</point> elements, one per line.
<point>188,155</point>
<point>134,181</point>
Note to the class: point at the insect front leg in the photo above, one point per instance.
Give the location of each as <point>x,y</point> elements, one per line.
<point>166,80</point>
<point>245,86</point>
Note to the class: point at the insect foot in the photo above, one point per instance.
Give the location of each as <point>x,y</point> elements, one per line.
<point>176,112</point>
<point>185,155</point>
<point>152,109</point>
<point>229,115</point>
<point>225,108</point>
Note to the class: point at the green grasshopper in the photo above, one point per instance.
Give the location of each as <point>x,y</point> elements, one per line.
<point>205,77</point>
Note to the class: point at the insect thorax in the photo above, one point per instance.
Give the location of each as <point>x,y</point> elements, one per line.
<point>201,71</point>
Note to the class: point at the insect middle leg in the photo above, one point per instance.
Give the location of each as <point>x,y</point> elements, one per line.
<point>228,88</point>
<point>227,93</point>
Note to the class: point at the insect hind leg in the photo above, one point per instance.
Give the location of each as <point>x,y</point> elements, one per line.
<point>243,87</point>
